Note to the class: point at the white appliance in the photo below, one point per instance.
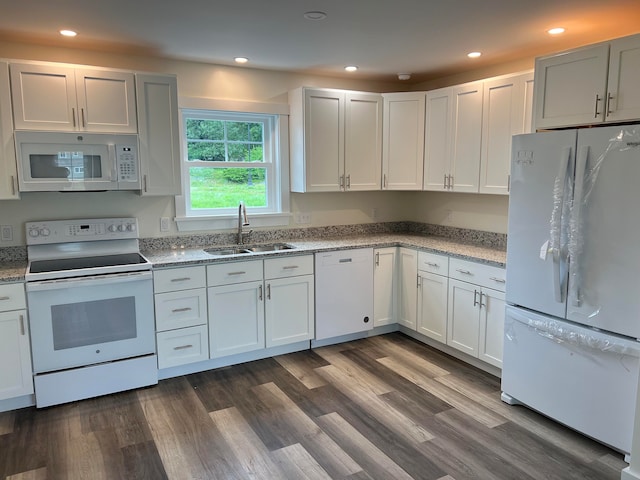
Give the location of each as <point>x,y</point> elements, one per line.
<point>573,261</point>
<point>52,162</point>
<point>91,317</point>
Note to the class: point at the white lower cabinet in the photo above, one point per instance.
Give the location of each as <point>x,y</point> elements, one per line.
<point>180,299</point>
<point>385,286</point>
<point>476,311</point>
<point>16,374</point>
<point>432,295</point>
<point>407,287</point>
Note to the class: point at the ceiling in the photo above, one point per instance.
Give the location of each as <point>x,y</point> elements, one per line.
<point>426,38</point>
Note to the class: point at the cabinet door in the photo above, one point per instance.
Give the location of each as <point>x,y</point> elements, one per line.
<point>503,115</point>
<point>466,137</point>
<point>432,306</point>
<point>289,310</point>
<point>403,141</point>
<point>491,326</point>
<point>385,286</point>
<point>44,97</point>
<point>236,318</point>
<point>16,374</point>
<point>106,101</point>
<point>363,141</point>
<point>8,167</point>
<point>463,317</point>
<point>408,287</point>
<point>570,88</point>
<point>437,143</point>
<point>623,97</point>
<point>160,164</point>
<point>324,140</point>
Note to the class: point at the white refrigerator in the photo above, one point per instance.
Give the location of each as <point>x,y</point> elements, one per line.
<point>573,279</point>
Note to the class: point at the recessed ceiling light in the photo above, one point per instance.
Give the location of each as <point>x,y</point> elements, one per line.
<point>315,15</point>
<point>68,33</point>
<point>351,68</point>
<point>555,31</point>
<point>241,59</point>
<point>474,54</point>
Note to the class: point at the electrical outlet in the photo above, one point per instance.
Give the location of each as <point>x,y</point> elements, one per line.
<point>164,224</point>
<point>374,213</point>
<point>448,217</point>
<point>302,217</point>
<point>6,233</point>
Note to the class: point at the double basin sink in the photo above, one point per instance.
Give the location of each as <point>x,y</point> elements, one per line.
<point>240,250</point>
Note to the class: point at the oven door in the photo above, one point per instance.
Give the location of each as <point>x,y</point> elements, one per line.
<point>83,321</point>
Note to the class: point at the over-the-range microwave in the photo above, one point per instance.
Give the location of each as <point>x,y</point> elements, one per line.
<point>54,162</point>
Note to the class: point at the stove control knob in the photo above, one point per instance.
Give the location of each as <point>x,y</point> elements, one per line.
<point>111,228</point>
<point>45,232</point>
<point>34,232</point>
<point>121,228</point>
<point>131,227</point>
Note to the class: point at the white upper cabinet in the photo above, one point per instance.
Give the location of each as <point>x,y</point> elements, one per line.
<point>589,85</point>
<point>453,138</point>
<point>8,168</point>
<point>506,112</point>
<point>403,141</point>
<point>64,98</point>
<point>336,140</point>
<point>159,137</point>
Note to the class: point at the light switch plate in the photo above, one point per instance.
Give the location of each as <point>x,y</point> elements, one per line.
<point>6,233</point>
<point>164,224</point>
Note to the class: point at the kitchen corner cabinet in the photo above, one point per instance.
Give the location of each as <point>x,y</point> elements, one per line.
<point>289,300</point>
<point>57,97</point>
<point>336,140</point>
<point>344,292</point>
<point>476,310</point>
<point>8,166</point>
<point>180,298</point>
<point>453,136</point>
<point>160,163</point>
<point>433,281</point>
<point>403,141</point>
<point>16,374</point>
<point>506,111</point>
<point>385,286</point>
<point>235,297</point>
<point>407,287</point>
<point>589,85</point>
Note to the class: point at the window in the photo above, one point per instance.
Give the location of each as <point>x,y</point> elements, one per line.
<point>232,157</point>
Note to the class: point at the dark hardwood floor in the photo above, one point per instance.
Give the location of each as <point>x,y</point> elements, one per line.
<point>382,408</point>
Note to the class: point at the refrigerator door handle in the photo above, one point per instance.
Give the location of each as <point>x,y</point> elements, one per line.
<point>557,223</point>
<point>575,227</point>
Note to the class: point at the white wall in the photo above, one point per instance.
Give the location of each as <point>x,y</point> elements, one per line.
<point>241,83</point>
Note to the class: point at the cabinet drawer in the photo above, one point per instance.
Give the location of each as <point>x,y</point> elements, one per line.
<point>181,309</point>
<point>433,263</point>
<point>12,297</point>
<point>478,273</point>
<point>237,272</point>
<point>185,345</point>
<point>179,279</point>
<point>288,266</point>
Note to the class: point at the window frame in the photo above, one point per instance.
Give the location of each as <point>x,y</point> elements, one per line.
<point>278,211</point>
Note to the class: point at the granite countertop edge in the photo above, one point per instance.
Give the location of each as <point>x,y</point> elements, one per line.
<point>179,257</point>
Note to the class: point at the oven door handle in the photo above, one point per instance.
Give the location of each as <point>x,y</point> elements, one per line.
<point>87,281</point>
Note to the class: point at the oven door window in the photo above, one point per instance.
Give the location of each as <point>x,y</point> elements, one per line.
<point>94,322</point>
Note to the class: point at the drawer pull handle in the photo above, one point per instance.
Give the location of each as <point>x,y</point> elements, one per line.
<point>183,347</point>
<point>181,279</point>
<point>434,265</point>
<point>344,260</point>
<point>21,324</point>
<point>499,280</point>
<point>5,298</point>
<point>290,267</point>
<point>464,272</point>
<point>236,273</point>
<point>178,310</point>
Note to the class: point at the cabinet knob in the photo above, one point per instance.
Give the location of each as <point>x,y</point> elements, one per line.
<point>366,320</point>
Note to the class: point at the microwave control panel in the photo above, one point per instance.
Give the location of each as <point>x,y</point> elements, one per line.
<point>127,163</point>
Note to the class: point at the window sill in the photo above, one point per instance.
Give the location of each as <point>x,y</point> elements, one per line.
<point>225,222</point>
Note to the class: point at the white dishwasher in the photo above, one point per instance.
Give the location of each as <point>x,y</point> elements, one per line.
<point>344,292</point>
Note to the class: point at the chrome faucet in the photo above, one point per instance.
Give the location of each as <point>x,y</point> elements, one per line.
<point>242,222</point>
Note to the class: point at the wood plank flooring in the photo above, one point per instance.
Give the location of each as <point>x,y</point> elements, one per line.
<point>386,407</point>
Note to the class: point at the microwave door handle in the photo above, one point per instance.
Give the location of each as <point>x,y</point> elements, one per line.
<point>114,161</point>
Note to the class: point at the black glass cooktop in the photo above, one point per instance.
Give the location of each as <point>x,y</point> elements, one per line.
<point>46,266</point>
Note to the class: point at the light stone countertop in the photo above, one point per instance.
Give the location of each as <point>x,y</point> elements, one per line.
<point>12,272</point>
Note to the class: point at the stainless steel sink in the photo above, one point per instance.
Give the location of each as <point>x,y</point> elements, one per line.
<point>226,251</point>
<point>270,248</point>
